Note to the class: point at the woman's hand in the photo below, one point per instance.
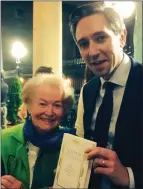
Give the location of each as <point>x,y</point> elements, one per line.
<point>106,162</point>
<point>9,182</point>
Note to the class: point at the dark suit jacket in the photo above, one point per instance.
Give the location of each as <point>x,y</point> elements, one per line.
<point>128,142</point>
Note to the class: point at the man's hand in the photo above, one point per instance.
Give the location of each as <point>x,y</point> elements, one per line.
<point>106,162</point>
<point>9,182</point>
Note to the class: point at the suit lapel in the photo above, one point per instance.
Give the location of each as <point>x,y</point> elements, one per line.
<point>93,91</point>
<point>89,98</point>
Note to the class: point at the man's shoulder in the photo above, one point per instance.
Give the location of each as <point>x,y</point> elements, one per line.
<point>136,72</point>
<point>136,64</point>
<point>135,61</point>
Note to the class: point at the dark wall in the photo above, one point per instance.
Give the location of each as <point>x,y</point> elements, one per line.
<point>16,20</point>
<point>69,47</point>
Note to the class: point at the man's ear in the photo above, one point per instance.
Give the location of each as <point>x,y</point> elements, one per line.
<point>123,37</point>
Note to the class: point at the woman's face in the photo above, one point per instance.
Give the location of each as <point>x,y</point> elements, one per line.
<point>46,107</point>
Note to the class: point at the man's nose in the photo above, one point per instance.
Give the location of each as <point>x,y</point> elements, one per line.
<point>93,49</point>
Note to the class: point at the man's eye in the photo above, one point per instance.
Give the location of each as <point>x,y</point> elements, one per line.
<point>100,39</point>
<point>83,44</point>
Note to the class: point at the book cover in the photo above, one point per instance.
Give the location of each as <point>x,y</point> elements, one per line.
<point>73,169</point>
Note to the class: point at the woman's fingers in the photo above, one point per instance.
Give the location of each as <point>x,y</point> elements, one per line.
<point>3,187</point>
<point>16,185</point>
<point>9,182</point>
<point>5,183</point>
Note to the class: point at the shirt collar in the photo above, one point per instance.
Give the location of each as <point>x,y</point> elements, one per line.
<point>121,74</point>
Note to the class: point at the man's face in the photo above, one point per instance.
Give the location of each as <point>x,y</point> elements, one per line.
<point>99,47</point>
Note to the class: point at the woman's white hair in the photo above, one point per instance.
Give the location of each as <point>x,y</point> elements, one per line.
<point>51,80</point>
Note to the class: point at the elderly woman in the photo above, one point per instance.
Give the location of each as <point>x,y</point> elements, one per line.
<point>30,152</point>
<point>22,111</point>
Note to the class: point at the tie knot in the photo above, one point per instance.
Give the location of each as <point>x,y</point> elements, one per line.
<point>108,86</point>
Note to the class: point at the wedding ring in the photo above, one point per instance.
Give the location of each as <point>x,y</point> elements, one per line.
<point>103,163</point>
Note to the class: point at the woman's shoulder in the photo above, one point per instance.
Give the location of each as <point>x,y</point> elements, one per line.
<point>10,135</point>
<point>14,129</point>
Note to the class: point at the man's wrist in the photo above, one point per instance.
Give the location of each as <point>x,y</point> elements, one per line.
<point>131,178</point>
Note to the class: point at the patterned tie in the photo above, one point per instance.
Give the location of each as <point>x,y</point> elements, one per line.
<point>104,116</point>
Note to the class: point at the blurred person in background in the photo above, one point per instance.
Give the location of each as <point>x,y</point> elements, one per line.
<point>4,95</point>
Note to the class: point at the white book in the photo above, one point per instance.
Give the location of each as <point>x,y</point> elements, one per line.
<point>73,169</point>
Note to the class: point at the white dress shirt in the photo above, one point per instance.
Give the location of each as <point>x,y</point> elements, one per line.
<point>119,78</point>
<point>32,157</point>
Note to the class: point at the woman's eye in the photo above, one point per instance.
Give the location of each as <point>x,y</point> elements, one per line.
<point>42,104</point>
<point>58,105</point>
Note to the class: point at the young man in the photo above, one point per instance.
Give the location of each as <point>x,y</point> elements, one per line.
<point>112,102</point>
